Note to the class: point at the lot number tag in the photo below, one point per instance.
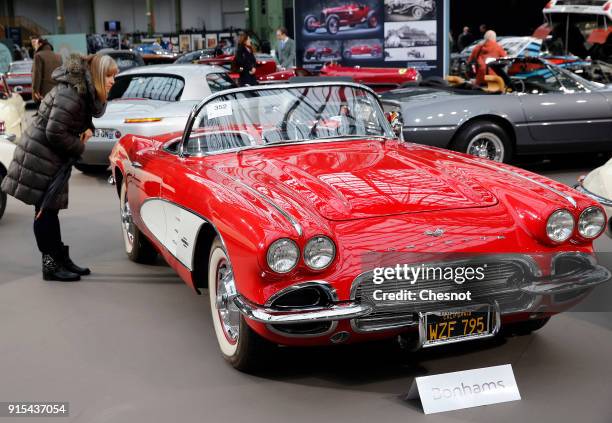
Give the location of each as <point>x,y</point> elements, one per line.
<point>466,389</point>
<point>219,109</point>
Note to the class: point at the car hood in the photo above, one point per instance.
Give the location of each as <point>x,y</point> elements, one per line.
<point>356,179</point>
<point>137,108</point>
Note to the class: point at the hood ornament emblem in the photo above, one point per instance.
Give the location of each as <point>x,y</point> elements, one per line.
<point>436,234</point>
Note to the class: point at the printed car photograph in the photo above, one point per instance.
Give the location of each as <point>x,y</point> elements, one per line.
<point>411,54</point>
<point>416,34</point>
<point>344,18</point>
<point>363,49</point>
<point>528,107</point>
<point>283,201</point>
<point>409,10</point>
<point>323,51</point>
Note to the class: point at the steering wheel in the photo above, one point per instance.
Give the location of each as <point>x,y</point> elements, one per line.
<point>522,84</point>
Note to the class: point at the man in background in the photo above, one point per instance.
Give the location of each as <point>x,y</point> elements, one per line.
<point>483,30</point>
<point>464,39</point>
<point>45,62</point>
<point>285,51</point>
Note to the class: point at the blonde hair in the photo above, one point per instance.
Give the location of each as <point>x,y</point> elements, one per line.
<point>101,66</point>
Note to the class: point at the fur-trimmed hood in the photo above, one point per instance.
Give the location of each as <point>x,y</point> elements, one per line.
<point>75,72</point>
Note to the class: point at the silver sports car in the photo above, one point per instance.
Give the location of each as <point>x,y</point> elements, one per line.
<point>150,100</point>
<point>528,107</point>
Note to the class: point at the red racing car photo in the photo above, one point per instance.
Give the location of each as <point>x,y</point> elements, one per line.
<point>333,19</point>
<point>360,50</point>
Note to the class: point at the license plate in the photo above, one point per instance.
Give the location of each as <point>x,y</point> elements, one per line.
<point>108,134</point>
<point>456,325</point>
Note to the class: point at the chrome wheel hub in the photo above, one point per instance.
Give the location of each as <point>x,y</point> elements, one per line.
<point>228,312</point>
<point>487,146</point>
<point>127,222</point>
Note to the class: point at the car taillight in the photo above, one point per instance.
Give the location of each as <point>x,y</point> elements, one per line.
<point>607,6</point>
<point>550,4</point>
<point>2,127</point>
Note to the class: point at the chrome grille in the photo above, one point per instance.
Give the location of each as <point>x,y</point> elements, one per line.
<point>501,283</point>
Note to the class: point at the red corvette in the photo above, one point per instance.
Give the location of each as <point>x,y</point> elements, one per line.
<point>284,201</point>
<point>374,50</point>
<point>333,18</point>
<point>379,79</point>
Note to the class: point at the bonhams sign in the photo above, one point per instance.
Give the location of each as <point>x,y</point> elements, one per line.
<point>466,389</point>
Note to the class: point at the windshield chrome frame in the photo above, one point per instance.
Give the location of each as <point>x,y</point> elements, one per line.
<point>198,108</point>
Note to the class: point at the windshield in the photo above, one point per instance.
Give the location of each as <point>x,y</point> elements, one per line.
<point>148,86</point>
<point>540,78</point>
<point>284,115</point>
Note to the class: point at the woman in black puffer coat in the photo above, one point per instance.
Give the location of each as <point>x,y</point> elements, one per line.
<point>245,61</point>
<point>56,136</point>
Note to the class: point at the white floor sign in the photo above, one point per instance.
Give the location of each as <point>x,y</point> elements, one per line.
<point>466,389</point>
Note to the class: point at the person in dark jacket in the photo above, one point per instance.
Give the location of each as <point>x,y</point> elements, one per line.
<point>465,39</point>
<point>45,62</point>
<point>245,61</point>
<point>57,135</point>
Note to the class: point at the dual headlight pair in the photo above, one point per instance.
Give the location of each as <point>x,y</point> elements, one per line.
<point>560,226</point>
<point>283,255</point>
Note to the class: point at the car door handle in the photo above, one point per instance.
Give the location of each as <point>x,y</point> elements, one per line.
<point>137,165</point>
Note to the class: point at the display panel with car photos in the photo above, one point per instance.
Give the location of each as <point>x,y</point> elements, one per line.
<point>371,33</point>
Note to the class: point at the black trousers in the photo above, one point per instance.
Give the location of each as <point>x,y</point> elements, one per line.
<point>47,232</point>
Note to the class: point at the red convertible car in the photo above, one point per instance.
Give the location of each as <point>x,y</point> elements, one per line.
<point>374,50</point>
<point>333,18</point>
<point>279,200</point>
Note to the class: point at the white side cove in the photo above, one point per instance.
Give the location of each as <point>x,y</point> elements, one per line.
<point>174,227</point>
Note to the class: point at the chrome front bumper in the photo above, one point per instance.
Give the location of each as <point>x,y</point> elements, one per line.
<point>340,311</point>
<point>544,294</point>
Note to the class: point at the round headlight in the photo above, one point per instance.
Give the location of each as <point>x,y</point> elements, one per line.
<point>283,255</point>
<point>560,226</point>
<point>319,252</point>
<point>592,222</point>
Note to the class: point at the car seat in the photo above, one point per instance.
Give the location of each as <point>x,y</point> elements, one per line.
<point>455,80</point>
<point>495,84</point>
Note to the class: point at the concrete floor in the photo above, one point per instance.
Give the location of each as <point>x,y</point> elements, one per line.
<point>132,343</point>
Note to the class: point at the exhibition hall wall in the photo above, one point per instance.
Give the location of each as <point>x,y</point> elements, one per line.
<point>214,14</point>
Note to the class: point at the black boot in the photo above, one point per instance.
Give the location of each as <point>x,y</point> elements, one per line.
<point>53,270</point>
<point>70,266</point>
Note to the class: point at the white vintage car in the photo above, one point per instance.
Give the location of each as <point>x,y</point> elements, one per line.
<point>12,112</point>
<point>598,186</point>
<point>150,100</point>
<point>7,148</point>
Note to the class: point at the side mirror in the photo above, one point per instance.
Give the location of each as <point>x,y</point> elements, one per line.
<point>395,119</point>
